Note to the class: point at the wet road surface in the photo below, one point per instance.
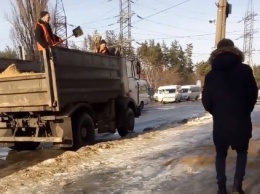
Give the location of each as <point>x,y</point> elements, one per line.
<point>153,116</point>
<point>157,115</point>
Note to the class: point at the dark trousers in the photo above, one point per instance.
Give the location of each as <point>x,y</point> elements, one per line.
<point>220,163</point>
<point>48,55</point>
<point>41,58</point>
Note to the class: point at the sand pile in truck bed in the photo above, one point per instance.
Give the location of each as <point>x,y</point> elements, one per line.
<point>11,71</point>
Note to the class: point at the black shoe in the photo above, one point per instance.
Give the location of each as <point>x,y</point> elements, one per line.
<point>222,189</point>
<point>237,188</point>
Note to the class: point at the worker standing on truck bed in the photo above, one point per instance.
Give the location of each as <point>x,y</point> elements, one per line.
<point>103,48</point>
<point>43,33</point>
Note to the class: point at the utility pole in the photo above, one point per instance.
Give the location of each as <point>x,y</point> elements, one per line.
<point>221,21</point>
<point>223,9</point>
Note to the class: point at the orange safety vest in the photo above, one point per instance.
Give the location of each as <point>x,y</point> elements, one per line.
<point>104,51</point>
<point>50,40</point>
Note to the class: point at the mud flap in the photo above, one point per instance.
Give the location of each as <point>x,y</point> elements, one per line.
<point>62,127</point>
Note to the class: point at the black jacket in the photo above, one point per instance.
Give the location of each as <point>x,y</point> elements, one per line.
<point>230,94</point>
<point>39,34</point>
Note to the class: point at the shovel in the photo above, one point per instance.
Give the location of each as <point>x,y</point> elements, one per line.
<point>77,32</point>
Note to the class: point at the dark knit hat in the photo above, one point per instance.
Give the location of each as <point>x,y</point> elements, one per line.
<point>43,13</point>
<point>103,41</point>
<point>225,43</point>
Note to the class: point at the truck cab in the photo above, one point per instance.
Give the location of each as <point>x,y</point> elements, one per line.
<point>144,97</point>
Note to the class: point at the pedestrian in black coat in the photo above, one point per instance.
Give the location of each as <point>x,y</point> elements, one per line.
<point>230,94</point>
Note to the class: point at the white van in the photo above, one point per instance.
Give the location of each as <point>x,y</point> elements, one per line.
<point>190,92</point>
<point>144,97</point>
<point>171,93</point>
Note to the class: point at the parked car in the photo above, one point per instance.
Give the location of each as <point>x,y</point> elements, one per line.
<point>190,92</point>
<point>171,93</point>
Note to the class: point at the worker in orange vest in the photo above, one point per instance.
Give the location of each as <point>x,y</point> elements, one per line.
<point>103,48</point>
<point>43,33</point>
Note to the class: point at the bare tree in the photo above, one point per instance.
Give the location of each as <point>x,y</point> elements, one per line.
<point>23,17</point>
<point>82,47</point>
<point>157,76</point>
<point>73,45</point>
<point>8,53</point>
<point>151,74</point>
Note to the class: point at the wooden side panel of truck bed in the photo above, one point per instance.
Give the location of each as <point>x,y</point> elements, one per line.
<point>24,91</point>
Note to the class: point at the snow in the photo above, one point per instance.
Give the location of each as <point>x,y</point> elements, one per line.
<point>176,160</point>
<point>102,163</point>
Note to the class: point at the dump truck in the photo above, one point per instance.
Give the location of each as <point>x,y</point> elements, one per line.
<point>67,98</point>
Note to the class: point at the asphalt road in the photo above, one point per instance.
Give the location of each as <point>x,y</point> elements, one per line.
<point>154,115</point>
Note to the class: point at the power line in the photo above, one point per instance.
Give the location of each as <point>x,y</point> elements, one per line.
<point>145,6</point>
<point>167,36</point>
<point>94,21</point>
<point>99,3</point>
<point>201,13</point>
<point>151,31</point>
<point>146,17</point>
<point>176,5</point>
<point>185,16</point>
<point>101,27</point>
<point>171,25</point>
<point>102,19</point>
<point>147,34</point>
<point>196,35</point>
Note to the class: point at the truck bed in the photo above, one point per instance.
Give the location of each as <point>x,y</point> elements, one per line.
<point>86,77</point>
<point>71,77</point>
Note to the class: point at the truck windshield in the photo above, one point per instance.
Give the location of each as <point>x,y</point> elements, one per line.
<point>184,90</point>
<point>170,91</point>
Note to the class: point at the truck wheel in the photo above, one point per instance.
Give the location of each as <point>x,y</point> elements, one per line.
<point>20,146</point>
<point>128,124</point>
<point>141,106</point>
<point>83,131</point>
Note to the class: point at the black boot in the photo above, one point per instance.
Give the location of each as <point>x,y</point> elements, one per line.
<point>222,189</point>
<point>237,187</point>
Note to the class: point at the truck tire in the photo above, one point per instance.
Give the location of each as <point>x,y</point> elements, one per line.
<point>128,124</point>
<point>20,146</point>
<point>141,106</point>
<point>83,131</point>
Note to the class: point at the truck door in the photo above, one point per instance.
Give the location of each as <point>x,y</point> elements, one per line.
<point>133,82</point>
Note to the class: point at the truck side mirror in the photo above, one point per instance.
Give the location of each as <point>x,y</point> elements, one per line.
<point>138,67</point>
